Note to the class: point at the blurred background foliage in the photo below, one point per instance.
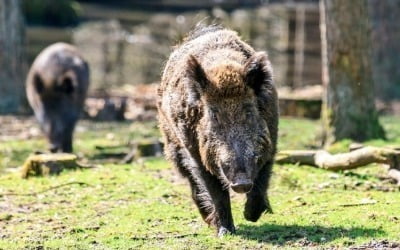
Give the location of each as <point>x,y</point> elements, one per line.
<point>52,12</point>
<point>127,41</point>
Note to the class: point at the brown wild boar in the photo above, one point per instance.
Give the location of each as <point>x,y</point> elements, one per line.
<point>217,108</point>
<point>56,88</point>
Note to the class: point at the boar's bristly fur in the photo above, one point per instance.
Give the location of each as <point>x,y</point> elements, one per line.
<point>218,113</point>
<point>56,88</point>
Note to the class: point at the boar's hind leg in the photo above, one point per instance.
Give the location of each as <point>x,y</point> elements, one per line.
<point>257,199</point>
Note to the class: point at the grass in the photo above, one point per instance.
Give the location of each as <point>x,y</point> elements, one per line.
<point>146,205</point>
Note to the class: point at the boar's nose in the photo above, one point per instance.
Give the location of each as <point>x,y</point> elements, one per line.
<point>242,186</point>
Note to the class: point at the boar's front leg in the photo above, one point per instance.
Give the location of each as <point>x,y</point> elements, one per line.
<point>211,199</point>
<point>221,216</point>
<point>257,199</point>
<point>200,194</point>
<point>208,193</point>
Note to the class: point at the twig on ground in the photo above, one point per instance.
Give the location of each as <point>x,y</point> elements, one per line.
<point>179,236</point>
<point>100,147</point>
<point>365,203</point>
<point>46,190</point>
<point>357,204</point>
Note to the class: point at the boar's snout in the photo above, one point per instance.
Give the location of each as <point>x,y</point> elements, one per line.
<point>242,187</point>
<point>241,184</point>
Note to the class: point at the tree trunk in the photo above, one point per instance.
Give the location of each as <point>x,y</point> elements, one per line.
<point>349,109</point>
<point>12,65</point>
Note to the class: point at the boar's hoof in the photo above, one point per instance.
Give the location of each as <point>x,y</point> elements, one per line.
<point>222,231</point>
<point>242,187</point>
<point>54,148</point>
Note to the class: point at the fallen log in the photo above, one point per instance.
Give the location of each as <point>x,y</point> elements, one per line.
<point>357,158</point>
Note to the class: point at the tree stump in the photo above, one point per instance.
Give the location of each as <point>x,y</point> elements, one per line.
<point>48,164</point>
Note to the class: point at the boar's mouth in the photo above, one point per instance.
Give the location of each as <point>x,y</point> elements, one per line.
<point>236,176</point>
<point>241,183</point>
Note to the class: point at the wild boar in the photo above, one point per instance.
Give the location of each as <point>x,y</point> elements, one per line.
<point>56,88</point>
<point>218,113</point>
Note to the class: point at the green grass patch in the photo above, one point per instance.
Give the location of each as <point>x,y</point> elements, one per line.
<point>147,205</point>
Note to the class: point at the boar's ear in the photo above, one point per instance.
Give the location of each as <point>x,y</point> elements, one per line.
<point>38,83</point>
<point>258,71</point>
<point>196,72</point>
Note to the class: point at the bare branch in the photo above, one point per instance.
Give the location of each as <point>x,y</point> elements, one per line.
<point>354,159</point>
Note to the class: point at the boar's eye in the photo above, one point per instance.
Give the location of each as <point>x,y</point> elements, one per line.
<point>249,113</point>
<point>248,110</point>
<point>214,115</point>
<point>258,161</point>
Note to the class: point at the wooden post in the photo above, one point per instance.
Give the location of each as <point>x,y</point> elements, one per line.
<point>12,64</point>
<point>299,46</point>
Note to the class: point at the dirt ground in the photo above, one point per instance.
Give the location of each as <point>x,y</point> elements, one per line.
<point>18,127</point>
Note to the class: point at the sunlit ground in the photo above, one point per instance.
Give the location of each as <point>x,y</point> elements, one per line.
<point>147,205</point>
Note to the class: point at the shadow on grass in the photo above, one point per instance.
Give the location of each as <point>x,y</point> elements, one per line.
<point>283,234</point>
<point>118,156</point>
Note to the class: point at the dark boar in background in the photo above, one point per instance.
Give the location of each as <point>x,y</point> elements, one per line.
<point>218,113</point>
<point>56,87</point>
